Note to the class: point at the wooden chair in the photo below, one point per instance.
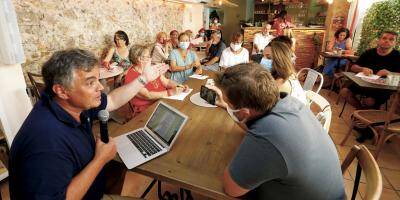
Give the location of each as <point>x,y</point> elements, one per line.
<point>311,78</point>
<point>325,114</point>
<point>383,123</point>
<point>37,84</point>
<point>368,165</point>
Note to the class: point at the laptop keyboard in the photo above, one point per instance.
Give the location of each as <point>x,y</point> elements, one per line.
<point>143,143</point>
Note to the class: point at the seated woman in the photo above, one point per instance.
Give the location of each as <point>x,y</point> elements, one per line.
<point>341,41</point>
<point>118,54</point>
<point>235,54</point>
<point>184,62</point>
<point>266,60</point>
<point>283,71</point>
<point>161,49</point>
<point>214,51</point>
<point>159,88</point>
<point>173,38</point>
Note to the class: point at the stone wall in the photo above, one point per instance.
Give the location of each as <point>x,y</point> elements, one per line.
<point>47,26</point>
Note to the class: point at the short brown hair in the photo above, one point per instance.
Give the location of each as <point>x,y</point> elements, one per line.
<point>249,85</point>
<point>390,32</point>
<point>282,65</point>
<point>135,52</point>
<point>237,37</point>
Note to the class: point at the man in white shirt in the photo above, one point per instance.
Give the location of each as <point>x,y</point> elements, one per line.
<point>235,54</point>
<point>262,39</point>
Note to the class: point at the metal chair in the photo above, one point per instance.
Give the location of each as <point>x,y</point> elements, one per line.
<point>368,165</point>
<point>325,115</point>
<point>311,79</point>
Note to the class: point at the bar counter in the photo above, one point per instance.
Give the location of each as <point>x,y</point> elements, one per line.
<point>309,42</point>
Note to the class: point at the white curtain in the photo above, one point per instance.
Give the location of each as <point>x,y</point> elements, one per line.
<point>11,51</point>
<point>362,7</point>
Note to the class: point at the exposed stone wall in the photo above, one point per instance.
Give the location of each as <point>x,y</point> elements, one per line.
<point>47,26</point>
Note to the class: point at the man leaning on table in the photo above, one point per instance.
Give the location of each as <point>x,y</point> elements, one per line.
<point>54,154</point>
<point>286,153</point>
<point>380,61</point>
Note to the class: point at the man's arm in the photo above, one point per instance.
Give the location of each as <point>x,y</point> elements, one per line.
<point>231,187</point>
<point>81,183</point>
<point>120,96</point>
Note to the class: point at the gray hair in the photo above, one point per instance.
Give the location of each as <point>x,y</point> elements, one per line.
<point>61,65</point>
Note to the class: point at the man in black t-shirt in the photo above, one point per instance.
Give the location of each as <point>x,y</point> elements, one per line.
<point>214,51</point>
<point>380,61</point>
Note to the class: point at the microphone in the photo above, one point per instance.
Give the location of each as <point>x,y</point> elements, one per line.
<point>103,116</point>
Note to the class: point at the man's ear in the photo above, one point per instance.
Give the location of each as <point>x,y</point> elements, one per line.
<point>244,113</point>
<point>60,91</point>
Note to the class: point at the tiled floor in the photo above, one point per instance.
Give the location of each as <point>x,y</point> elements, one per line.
<point>389,162</point>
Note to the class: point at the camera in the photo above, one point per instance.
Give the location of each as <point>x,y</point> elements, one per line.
<point>208,95</point>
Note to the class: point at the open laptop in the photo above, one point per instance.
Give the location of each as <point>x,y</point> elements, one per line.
<point>155,139</point>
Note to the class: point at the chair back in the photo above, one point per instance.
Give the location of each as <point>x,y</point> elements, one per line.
<point>311,79</point>
<point>325,114</point>
<point>367,164</point>
<point>37,83</point>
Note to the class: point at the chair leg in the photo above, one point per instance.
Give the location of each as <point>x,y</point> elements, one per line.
<point>381,142</point>
<point>356,182</point>
<point>353,123</point>
<point>332,85</point>
<point>344,105</point>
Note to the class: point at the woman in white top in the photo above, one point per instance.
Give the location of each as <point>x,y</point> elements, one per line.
<point>283,70</point>
<point>161,49</point>
<point>235,54</point>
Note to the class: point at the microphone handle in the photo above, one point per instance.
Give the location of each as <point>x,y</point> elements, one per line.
<point>104,131</point>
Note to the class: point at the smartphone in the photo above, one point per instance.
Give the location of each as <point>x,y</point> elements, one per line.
<point>208,95</point>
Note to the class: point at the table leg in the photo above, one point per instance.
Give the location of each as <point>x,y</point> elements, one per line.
<point>148,189</point>
<point>344,104</point>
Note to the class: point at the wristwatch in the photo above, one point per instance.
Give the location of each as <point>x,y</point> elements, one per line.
<point>142,80</point>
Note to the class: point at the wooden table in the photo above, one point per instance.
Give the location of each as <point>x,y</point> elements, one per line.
<point>366,85</point>
<point>202,151</point>
<point>350,57</point>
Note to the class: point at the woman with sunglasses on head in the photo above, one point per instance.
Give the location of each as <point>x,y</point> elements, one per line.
<point>161,87</point>
<point>184,62</point>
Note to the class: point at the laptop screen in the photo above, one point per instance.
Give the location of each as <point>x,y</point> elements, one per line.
<point>165,123</point>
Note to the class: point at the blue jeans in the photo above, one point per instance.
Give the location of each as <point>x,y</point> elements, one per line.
<point>331,64</point>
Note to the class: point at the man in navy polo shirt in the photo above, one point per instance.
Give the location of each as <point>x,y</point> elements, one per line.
<point>55,155</point>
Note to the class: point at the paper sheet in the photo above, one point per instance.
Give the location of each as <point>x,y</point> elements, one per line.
<point>180,96</point>
<point>198,76</point>
<point>372,76</point>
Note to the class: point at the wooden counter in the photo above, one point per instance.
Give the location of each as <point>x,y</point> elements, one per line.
<point>306,51</point>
